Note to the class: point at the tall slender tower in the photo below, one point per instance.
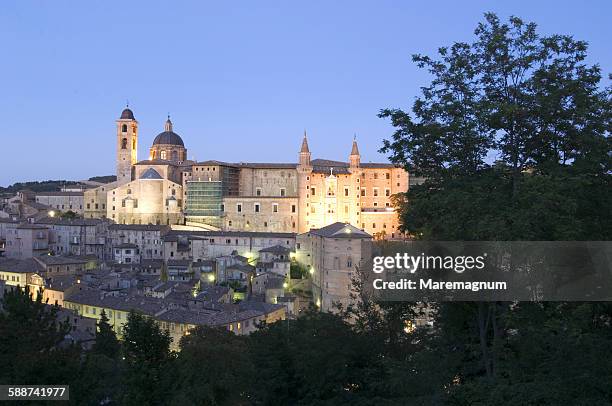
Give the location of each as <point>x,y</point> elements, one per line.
<point>356,182</point>
<point>304,170</point>
<point>354,158</point>
<point>127,145</point>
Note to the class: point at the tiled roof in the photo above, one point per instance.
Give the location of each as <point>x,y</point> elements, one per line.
<point>60,260</point>
<point>139,227</point>
<point>126,245</point>
<point>58,221</point>
<point>20,265</point>
<point>277,249</point>
<point>174,234</point>
<point>340,230</point>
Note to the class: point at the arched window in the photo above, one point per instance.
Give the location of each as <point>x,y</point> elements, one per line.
<point>124,143</point>
<point>174,155</point>
<point>162,155</point>
<point>124,128</point>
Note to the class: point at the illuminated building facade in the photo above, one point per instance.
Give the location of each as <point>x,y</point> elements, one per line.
<point>259,197</point>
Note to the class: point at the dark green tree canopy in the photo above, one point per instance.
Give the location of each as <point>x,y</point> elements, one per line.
<point>512,134</point>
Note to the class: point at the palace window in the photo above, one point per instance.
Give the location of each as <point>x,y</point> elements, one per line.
<point>375,192</point>
<point>258,191</point>
<point>163,155</point>
<point>293,208</point>
<point>312,191</point>
<point>282,192</point>
<point>239,207</point>
<point>257,207</point>
<point>387,176</point>
<point>387,192</point>
<point>275,207</point>
<point>346,191</point>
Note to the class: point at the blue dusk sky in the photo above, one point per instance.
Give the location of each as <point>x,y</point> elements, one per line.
<point>241,81</point>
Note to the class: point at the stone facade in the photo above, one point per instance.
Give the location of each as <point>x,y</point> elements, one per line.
<point>147,237</point>
<point>27,241</point>
<point>333,253</point>
<point>257,197</point>
<point>76,236</point>
<point>62,201</point>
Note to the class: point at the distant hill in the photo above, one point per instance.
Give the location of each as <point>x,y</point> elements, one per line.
<point>103,179</point>
<point>51,185</point>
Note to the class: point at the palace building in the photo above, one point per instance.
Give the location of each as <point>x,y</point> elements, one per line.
<point>169,189</point>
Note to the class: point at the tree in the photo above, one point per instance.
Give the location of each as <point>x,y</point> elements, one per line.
<point>227,376</point>
<point>106,340</point>
<point>32,347</point>
<point>69,215</point>
<point>146,349</point>
<point>297,270</point>
<point>531,101</point>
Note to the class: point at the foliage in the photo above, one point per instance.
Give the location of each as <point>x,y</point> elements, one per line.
<point>69,215</point>
<point>533,103</point>
<point>228,374</point>
<point>146,350</point>
<point>297,270</point>
<point>106,340</point>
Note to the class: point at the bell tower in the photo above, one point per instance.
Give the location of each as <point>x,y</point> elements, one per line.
<point>304,172</point>
<point>127,145</point>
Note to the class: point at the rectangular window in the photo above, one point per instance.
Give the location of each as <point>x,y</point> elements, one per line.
<point>257,207</point>
<point>363,192</point>
<point>258,191</point>
<point>346,191</point>
<point>387,192</point>
<point>282,192</point>
<point>312,191</point>
<point>239,207</point>
<point>275,207</point>
<point>375,192</point>
<point>293,208</point>
<point>387,175</point>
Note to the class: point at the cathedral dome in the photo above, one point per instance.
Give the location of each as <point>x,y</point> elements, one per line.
<point>168,137</point>
<point>127,114</point>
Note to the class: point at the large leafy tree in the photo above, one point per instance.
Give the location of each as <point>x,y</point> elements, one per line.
<point>512,136</point>
<point>146,349</point>
<point>32,347</point>
<point>531,104</point>
<point>212,368</point>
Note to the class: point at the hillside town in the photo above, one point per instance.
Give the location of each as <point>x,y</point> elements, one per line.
<point>198,243</point>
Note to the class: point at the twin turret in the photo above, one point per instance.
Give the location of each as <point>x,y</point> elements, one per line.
<point>305,157</point>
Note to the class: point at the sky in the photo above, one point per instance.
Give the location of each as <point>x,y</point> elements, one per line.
<point>241,80</point>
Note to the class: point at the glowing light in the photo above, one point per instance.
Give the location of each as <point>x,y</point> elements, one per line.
<point>285,285</point>
<point>51,213</point>
<point>311,271</point>
<point>211,278</point>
